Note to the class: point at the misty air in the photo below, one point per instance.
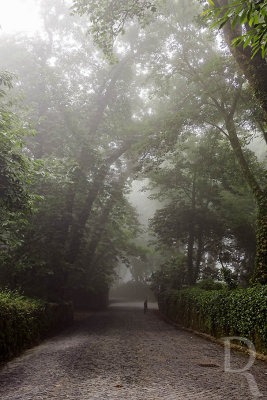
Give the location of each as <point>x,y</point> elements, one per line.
<point>133,199</point>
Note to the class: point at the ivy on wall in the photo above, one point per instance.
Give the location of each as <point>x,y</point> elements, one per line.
<point>240,312</point>
<point>24,322</point>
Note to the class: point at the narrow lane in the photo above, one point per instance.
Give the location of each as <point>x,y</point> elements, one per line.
<point>123,354</point>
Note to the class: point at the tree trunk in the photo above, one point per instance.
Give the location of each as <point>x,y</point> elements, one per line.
<point>191,237</point>
<point>104,98</point>
<point>98,232</point>
<point>260,273</point>
<point>190,255</point>
<point>260,196</point>
<point>199,253</point>
<point>247,173</point>
<point>78,226</point>
<point>103,219</point>
<point>255,70</point>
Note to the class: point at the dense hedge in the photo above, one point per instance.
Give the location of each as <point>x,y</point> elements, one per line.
<point>24,322</point>
<point>240,312</point>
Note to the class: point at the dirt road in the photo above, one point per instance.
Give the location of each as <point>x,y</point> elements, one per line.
<point>123,354</point>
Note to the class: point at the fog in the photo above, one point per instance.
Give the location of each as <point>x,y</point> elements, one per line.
<point>133,150</point>
<point>19,16</point>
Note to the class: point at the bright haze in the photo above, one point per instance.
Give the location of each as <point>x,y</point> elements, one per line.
<point>19,16</point>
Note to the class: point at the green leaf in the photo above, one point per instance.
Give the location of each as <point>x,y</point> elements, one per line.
<point>247,42</point>
<point>255,52</point>
<point>244,17</point>
<point>211,3</point>
<point>206,12</point>
<point>235,20</point>
<point>256,19</point>
<point>237,39</point>
<point>223,23</point>
<point>238,10</point>
<point>236,42</point>
<point>235,3</point>
<point>216,23</point>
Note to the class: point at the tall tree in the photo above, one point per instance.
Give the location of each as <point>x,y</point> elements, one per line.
<point>254,68</point>
<point>191,54</point>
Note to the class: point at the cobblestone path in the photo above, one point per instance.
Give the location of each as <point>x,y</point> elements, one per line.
<point>123,354</point>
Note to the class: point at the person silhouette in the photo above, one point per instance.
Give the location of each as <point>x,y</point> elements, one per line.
<point>145,305</point>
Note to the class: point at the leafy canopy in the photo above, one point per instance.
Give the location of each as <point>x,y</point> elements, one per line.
<point>250,14</point>
<point>108,18</point>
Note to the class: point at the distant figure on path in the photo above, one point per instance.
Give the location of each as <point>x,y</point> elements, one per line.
<point>145,305</point>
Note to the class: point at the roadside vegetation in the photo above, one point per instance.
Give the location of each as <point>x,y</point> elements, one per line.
<point>24,322</point>
<point>117,92</point>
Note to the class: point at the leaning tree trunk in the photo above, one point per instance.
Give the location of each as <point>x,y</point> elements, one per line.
<point>78,227</point>
<point>103,218</point>
<point>104,97</point>
<point>255,70</point>
<point>260,196</point>
<point>260,273</point>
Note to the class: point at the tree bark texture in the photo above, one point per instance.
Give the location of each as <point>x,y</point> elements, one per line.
<point>255,70</point>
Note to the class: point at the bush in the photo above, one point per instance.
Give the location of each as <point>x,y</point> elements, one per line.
<point>171,275</point>
<point>24,322</point>
<point>209,284</point>
<point>239,312</point>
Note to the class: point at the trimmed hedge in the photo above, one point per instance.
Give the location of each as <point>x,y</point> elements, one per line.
<point>24,322</point>
<point>240,312</point>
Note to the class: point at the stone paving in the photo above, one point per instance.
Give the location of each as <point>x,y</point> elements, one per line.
<point>123,354</point>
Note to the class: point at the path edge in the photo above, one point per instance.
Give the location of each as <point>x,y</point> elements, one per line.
<point>236,347</point>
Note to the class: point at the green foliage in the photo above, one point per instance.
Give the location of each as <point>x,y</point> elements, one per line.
<point>205,201</point>
<point>171,275</point>
<point>240,312</point>
<point>14,166</point>
<point>249,13</point>
<point>229,278</point>
<point>170,82</point>
<point>260,273</point>
<point>81,113</point>
<point>5,81</point>
<point>209,284</point>
<point>16,171</point>
<point>108,18</point>
<point>24,321</point>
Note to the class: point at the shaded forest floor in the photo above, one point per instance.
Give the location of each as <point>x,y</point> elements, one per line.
<point>123,354</point>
